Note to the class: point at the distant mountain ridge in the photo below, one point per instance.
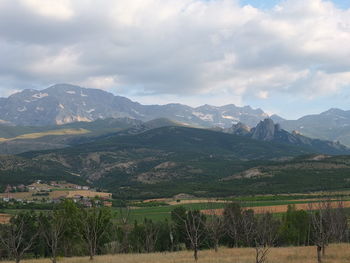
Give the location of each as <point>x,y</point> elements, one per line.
<point>64,103</point>
<point>19,139</point>
<point>268,131</point>
<point>333,125</point>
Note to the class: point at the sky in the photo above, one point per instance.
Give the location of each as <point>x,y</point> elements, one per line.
<point>289,57</point>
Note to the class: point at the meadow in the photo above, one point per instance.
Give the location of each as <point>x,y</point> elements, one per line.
<point>339,253</point>
<point>260,204</point>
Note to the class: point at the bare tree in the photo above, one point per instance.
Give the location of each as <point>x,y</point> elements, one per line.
<point>94,224</point>
<point>151,232</point>
<point>171,235</point>
<point>124,216</point>
<point>338,222</point>
<point>215,226</point>
<point>320,214</point>
<point>19,236</point>
<point>266,233</point>
<point>233,222</point>
<point>194,226</point>
<point>52,227</point>
<point>248,227</point>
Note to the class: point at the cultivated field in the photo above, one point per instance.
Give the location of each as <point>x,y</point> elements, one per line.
<point>336,254</point>
<point>279,208</point>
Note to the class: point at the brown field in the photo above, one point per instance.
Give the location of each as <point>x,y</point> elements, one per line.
<point>47,133</point>
<point>172,201</point>
<point>18,195</point>
<point>56,194</point>
<point>4,218</point>
<point>277,208</point>
<point>335,254</point>
<point>88,193</point>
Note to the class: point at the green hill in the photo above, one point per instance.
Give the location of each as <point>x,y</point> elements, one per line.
<point>171,160</point>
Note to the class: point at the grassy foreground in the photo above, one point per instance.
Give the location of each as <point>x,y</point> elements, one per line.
<point>335,254</point>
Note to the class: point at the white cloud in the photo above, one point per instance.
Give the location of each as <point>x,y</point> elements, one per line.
<point>57,9</point>
<point>100,82</point>
<point>321,83</point>
<point>263,94</point>
<point>65,63</point>
<point>177,48</point>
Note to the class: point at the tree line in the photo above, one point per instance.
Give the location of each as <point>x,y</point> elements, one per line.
<point>69,230</point>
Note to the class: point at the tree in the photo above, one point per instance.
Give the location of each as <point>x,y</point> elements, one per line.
<point>71,239</point>
<point>339,223</point>
<point>233,222</point>
<point>248,224</point>
<point>19,236</point>
<point>124,216</point>
<point>52,228</point>
<point>215,227</point>
<point>295,227</point>
<point>194,226</point>
<point>94,225</point>
<point>320,214</point>
<point>265,235</point>
<point>178,229</point>
<point>151,235</point>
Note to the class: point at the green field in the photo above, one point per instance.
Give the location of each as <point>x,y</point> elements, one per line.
<point>163,212</point>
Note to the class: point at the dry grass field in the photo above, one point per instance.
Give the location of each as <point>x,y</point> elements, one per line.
<point>336,254</point>
<point>47,133</point>
<point>279,208</point>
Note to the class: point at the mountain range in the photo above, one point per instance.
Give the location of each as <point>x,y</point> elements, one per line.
<point>63,103</point>
<point>333,125</point>
<point>89,136</point>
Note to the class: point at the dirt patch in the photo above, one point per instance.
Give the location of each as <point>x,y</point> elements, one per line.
<point>155,177</point>
<point>319,157</point>
<point>248,174</point>
<point>165,165</point>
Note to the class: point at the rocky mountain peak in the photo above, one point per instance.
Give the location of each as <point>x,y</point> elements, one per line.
<point>265,130</point>
<point>239,129</point>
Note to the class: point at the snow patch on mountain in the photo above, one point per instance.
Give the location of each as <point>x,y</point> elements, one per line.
<point>40,95</point>
<point>229,117</point>
<point>22,109</point>
<point>202,116</point>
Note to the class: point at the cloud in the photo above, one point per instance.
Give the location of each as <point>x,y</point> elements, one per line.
<point>59,9</point>
<point>176,48</point>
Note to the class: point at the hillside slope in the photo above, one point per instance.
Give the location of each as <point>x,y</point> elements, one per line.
<point>171,160</point>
